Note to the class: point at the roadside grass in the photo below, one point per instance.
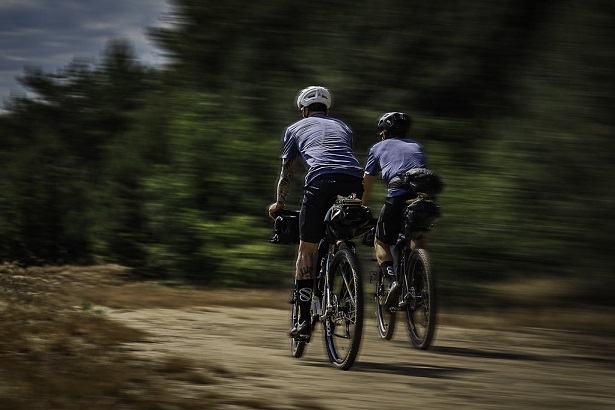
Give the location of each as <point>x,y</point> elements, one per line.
<point>567,304</point>
<point>59,351</point>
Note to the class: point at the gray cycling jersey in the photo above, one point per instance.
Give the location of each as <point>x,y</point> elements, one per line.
<point>394,156</point>
<point>324,145</point>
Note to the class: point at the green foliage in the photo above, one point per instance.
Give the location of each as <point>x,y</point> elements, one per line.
<point>170,171</point>
<point>58,147</point>
<point>204,207</point>
<point>247,259</point>
<point>42,205</point>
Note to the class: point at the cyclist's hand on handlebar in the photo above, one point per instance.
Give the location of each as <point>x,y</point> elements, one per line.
<point>274,208</point>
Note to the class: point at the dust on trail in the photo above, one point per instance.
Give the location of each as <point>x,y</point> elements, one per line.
<point>93,338</point>
<point>246,350</point>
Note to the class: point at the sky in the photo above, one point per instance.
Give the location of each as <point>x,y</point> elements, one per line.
<point>49,34</point>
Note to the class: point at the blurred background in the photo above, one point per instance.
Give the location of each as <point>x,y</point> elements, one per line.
<point>169,170</point>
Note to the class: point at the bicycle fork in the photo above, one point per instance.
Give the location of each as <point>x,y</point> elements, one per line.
<point>322,308</point>
<point>409,294</point>
<point>321,297</point>
<point>401,259</point>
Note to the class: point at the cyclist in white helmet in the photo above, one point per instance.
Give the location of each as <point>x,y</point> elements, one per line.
<point>324,145</point>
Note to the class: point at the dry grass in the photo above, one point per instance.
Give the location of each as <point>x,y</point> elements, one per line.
<point>59,351</point>
<point>569,304</point>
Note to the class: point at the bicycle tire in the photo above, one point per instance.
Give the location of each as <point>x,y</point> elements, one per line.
<point>421,305</point>
<point>385,318</point>
<point>344,324</point>
<point>297,346</point>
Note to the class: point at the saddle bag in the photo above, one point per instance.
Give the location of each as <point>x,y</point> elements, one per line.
<point>418,180</point>
<point>347,219</point>
<point>420,215</point>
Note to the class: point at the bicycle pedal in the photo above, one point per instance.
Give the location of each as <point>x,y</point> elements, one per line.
<point>402,304</point>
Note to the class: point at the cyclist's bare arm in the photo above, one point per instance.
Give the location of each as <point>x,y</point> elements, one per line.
<point>283,189</point>
<point>368,182</point>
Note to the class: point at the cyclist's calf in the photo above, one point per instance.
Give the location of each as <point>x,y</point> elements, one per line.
<point>306,261</point>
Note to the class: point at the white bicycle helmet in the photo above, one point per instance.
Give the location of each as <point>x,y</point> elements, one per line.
<point>312,95</point>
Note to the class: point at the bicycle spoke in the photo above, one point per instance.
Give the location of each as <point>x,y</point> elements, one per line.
<point>344,326</point>
<point>347,284</point>
<point>420,310</point>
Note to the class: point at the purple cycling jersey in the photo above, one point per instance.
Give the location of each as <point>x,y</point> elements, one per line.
<point>394,156</point>
<point>324,144</point>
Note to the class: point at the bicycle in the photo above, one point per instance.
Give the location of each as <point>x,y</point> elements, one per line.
<point>337,299</point>
<point>415,275</point>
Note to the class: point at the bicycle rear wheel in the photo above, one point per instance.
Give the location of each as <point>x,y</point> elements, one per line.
<point>385,318</point>
<point>344,321</point>
<point>421,303</point>
<point>297,345</point>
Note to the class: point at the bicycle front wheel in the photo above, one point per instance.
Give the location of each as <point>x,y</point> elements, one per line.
<point>421,303</point>
<point>385,317</point>
<point>344,320</point>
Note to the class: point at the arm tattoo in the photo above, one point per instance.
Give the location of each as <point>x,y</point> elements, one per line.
<point>286,177</point>
<point>306,273</point>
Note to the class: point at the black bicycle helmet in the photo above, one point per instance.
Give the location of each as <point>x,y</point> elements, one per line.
<point>396,124</point>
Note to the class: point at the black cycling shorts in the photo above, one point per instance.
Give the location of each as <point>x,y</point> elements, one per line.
<point>318,197</point>
<point>391,218</point>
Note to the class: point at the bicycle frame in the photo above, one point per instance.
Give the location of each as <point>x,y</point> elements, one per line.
<point>337,296</point>
<point>322,292</point>
<point>401,256</point>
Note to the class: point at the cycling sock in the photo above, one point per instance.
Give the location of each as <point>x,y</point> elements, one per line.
<point>388,269</point>
<point>304,293</point>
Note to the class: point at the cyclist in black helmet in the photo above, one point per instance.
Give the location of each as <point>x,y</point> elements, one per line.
<point>324,144</point>
<point>393,155</point>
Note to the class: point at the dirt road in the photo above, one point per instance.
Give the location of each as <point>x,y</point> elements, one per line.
<point>471,368</point>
